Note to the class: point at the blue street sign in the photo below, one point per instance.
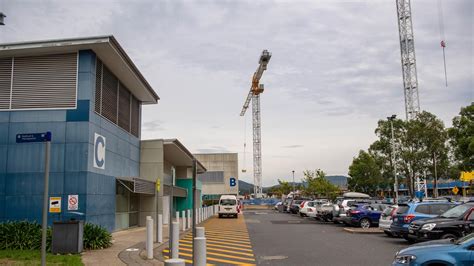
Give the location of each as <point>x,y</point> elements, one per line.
<point>232,182</point>
<point>33,137</point>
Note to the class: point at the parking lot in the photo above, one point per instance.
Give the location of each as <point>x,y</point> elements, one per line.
<point>287,239</point>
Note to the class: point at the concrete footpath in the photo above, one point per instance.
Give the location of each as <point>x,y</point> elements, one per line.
<point>128,249</point>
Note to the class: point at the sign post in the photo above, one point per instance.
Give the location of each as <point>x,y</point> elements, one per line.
<point>46,138</point>
<point>194,204</point>
<point>173,176</point>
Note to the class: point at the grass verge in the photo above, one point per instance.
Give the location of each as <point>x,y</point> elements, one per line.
<point>33,257</point>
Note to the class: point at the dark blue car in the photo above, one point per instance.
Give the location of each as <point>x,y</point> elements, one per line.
<point>438,252</point>
<point>365,215</point>
<point>409,212</point>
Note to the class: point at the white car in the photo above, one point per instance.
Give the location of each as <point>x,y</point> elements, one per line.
<point>228,206</point>
<point>386,219</point>
<point>307,208</point>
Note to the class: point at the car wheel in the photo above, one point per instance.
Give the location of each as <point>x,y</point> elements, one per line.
<point>389,234</point>
<point>364,223</point>
<point>448,236</point>
<point>220,215</point>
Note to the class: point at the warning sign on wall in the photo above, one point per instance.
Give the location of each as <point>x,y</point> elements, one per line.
<point>55,204</point>
<point>73,202</point>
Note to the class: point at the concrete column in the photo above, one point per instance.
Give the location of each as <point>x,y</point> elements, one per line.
<point>174,262</point>
<point>160,228</point>
<point>197,216</point>
<point>199,246</point>
<point>149,238</point>
<point>175,244</point>
<point>177,216</point>
<point>190,222</point>
<point>183,219</point>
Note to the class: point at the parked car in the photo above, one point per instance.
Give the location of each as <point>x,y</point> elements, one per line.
<point>438,252</point>
<point>340,208</point>
<point>295,206</point>
<point>453,223</point>
<point>364,215</point>
<point>276,205</point>
<point>286,204</point>
<point>412,211</point>
<point>306,207</point>
<point>323,212</point>
<point>228,206</point>
<point>386,219</point>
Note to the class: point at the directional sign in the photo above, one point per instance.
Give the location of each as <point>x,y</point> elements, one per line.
<point>158,184</point>
<point>54,204</point>
<point>72,202</point>
<point>33,137</point>
<point>455,190</point>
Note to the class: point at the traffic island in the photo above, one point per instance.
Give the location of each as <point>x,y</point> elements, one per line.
<point>355,230</point>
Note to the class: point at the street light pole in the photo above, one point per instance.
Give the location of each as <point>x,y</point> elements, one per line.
<point>391,118</point>
<point>293,184</point>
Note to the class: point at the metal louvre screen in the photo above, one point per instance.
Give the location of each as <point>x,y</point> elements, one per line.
<point>124,110</point>
<point>47,81</point>
<point>109,95</point>
<point>216,177</point>
<point>115,102</point>
<point>135,114</point>
<point>98,85</point>
<point>5,82</point>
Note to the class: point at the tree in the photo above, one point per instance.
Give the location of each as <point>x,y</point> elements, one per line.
<point>365,174</point>
<point>317,185</point>
<point>283,188</point>
<point>462,138</point>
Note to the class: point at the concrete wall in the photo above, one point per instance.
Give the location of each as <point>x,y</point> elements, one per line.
<point>72,150</point>
<point>227,162</point>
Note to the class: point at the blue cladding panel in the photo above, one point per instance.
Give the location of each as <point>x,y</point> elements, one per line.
<point>38,116</point>
<point>79,114</point>
<point>4,117</point>
<point>29,157</point>
<point>87,61</point>
<point>32,183</point>
<point>4,133</point>
<point>77,132</point>
<point>106,220</point>
<point>100,184</point>
<point>100,204</point>
<point>3,159</point>
<point>75,183</point>
<point>76,157</point>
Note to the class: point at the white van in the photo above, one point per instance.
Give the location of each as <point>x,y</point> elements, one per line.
<point>228,206</point>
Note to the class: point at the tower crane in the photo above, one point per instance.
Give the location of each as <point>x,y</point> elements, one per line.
<point>254,95</point>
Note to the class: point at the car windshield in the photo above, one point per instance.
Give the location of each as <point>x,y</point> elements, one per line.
<point>387,211</point>
<point>456,211</point>
<point>228,202</point>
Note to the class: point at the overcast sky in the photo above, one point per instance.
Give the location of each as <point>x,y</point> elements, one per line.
<point>335,69</point>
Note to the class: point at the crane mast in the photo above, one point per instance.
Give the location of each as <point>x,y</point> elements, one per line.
<point>408,59</point>
<point>254,95</point>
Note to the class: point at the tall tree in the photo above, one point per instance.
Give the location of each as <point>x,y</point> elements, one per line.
<point>317,185</point>
<point>365,174</point>
<point>462,138</point>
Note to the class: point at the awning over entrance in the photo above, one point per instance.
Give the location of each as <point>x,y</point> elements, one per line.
<point>137,185</point>
<point>178,155</point>
<point>177,191</point>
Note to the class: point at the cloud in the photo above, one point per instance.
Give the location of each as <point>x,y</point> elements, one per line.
<point>153,126</point>
<point>292,146</point>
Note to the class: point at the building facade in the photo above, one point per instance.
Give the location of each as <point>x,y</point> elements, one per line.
<point>88,94</point>
<point>222,176</point>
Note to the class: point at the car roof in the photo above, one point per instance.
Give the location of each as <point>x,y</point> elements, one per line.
<point>228,197</point>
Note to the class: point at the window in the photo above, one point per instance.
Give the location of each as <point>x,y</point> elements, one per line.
<point>115,102</point>
<point>439,208</point>
<point>423,209</point>
<point>471,216</point>
<point>38,82</point>
<point>402,209</point>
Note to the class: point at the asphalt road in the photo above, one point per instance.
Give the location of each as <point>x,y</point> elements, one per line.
<point>286,239</point>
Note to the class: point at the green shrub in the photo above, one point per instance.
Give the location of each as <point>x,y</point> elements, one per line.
<point>24,235</point>
<point>96,237</point>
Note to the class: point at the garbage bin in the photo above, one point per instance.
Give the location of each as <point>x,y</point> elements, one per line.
<point>67,237</point>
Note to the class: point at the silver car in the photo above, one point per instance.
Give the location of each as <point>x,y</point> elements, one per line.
<point>386,219</point>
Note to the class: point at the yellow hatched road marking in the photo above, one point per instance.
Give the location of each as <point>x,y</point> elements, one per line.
<point>220,242</point>
<point>189,248</point>
<point>226,240</point>
<point>219,246</point>
<point>191,262</point>
<point>215,254</point>
<point>228,235</point>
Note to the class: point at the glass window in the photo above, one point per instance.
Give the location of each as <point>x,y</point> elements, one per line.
<point>438,209</point>
<point>456,211</point>
<point>228,202</point>
<point>403,209</point>
<point>423,209</point>
<point>471,216</point>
